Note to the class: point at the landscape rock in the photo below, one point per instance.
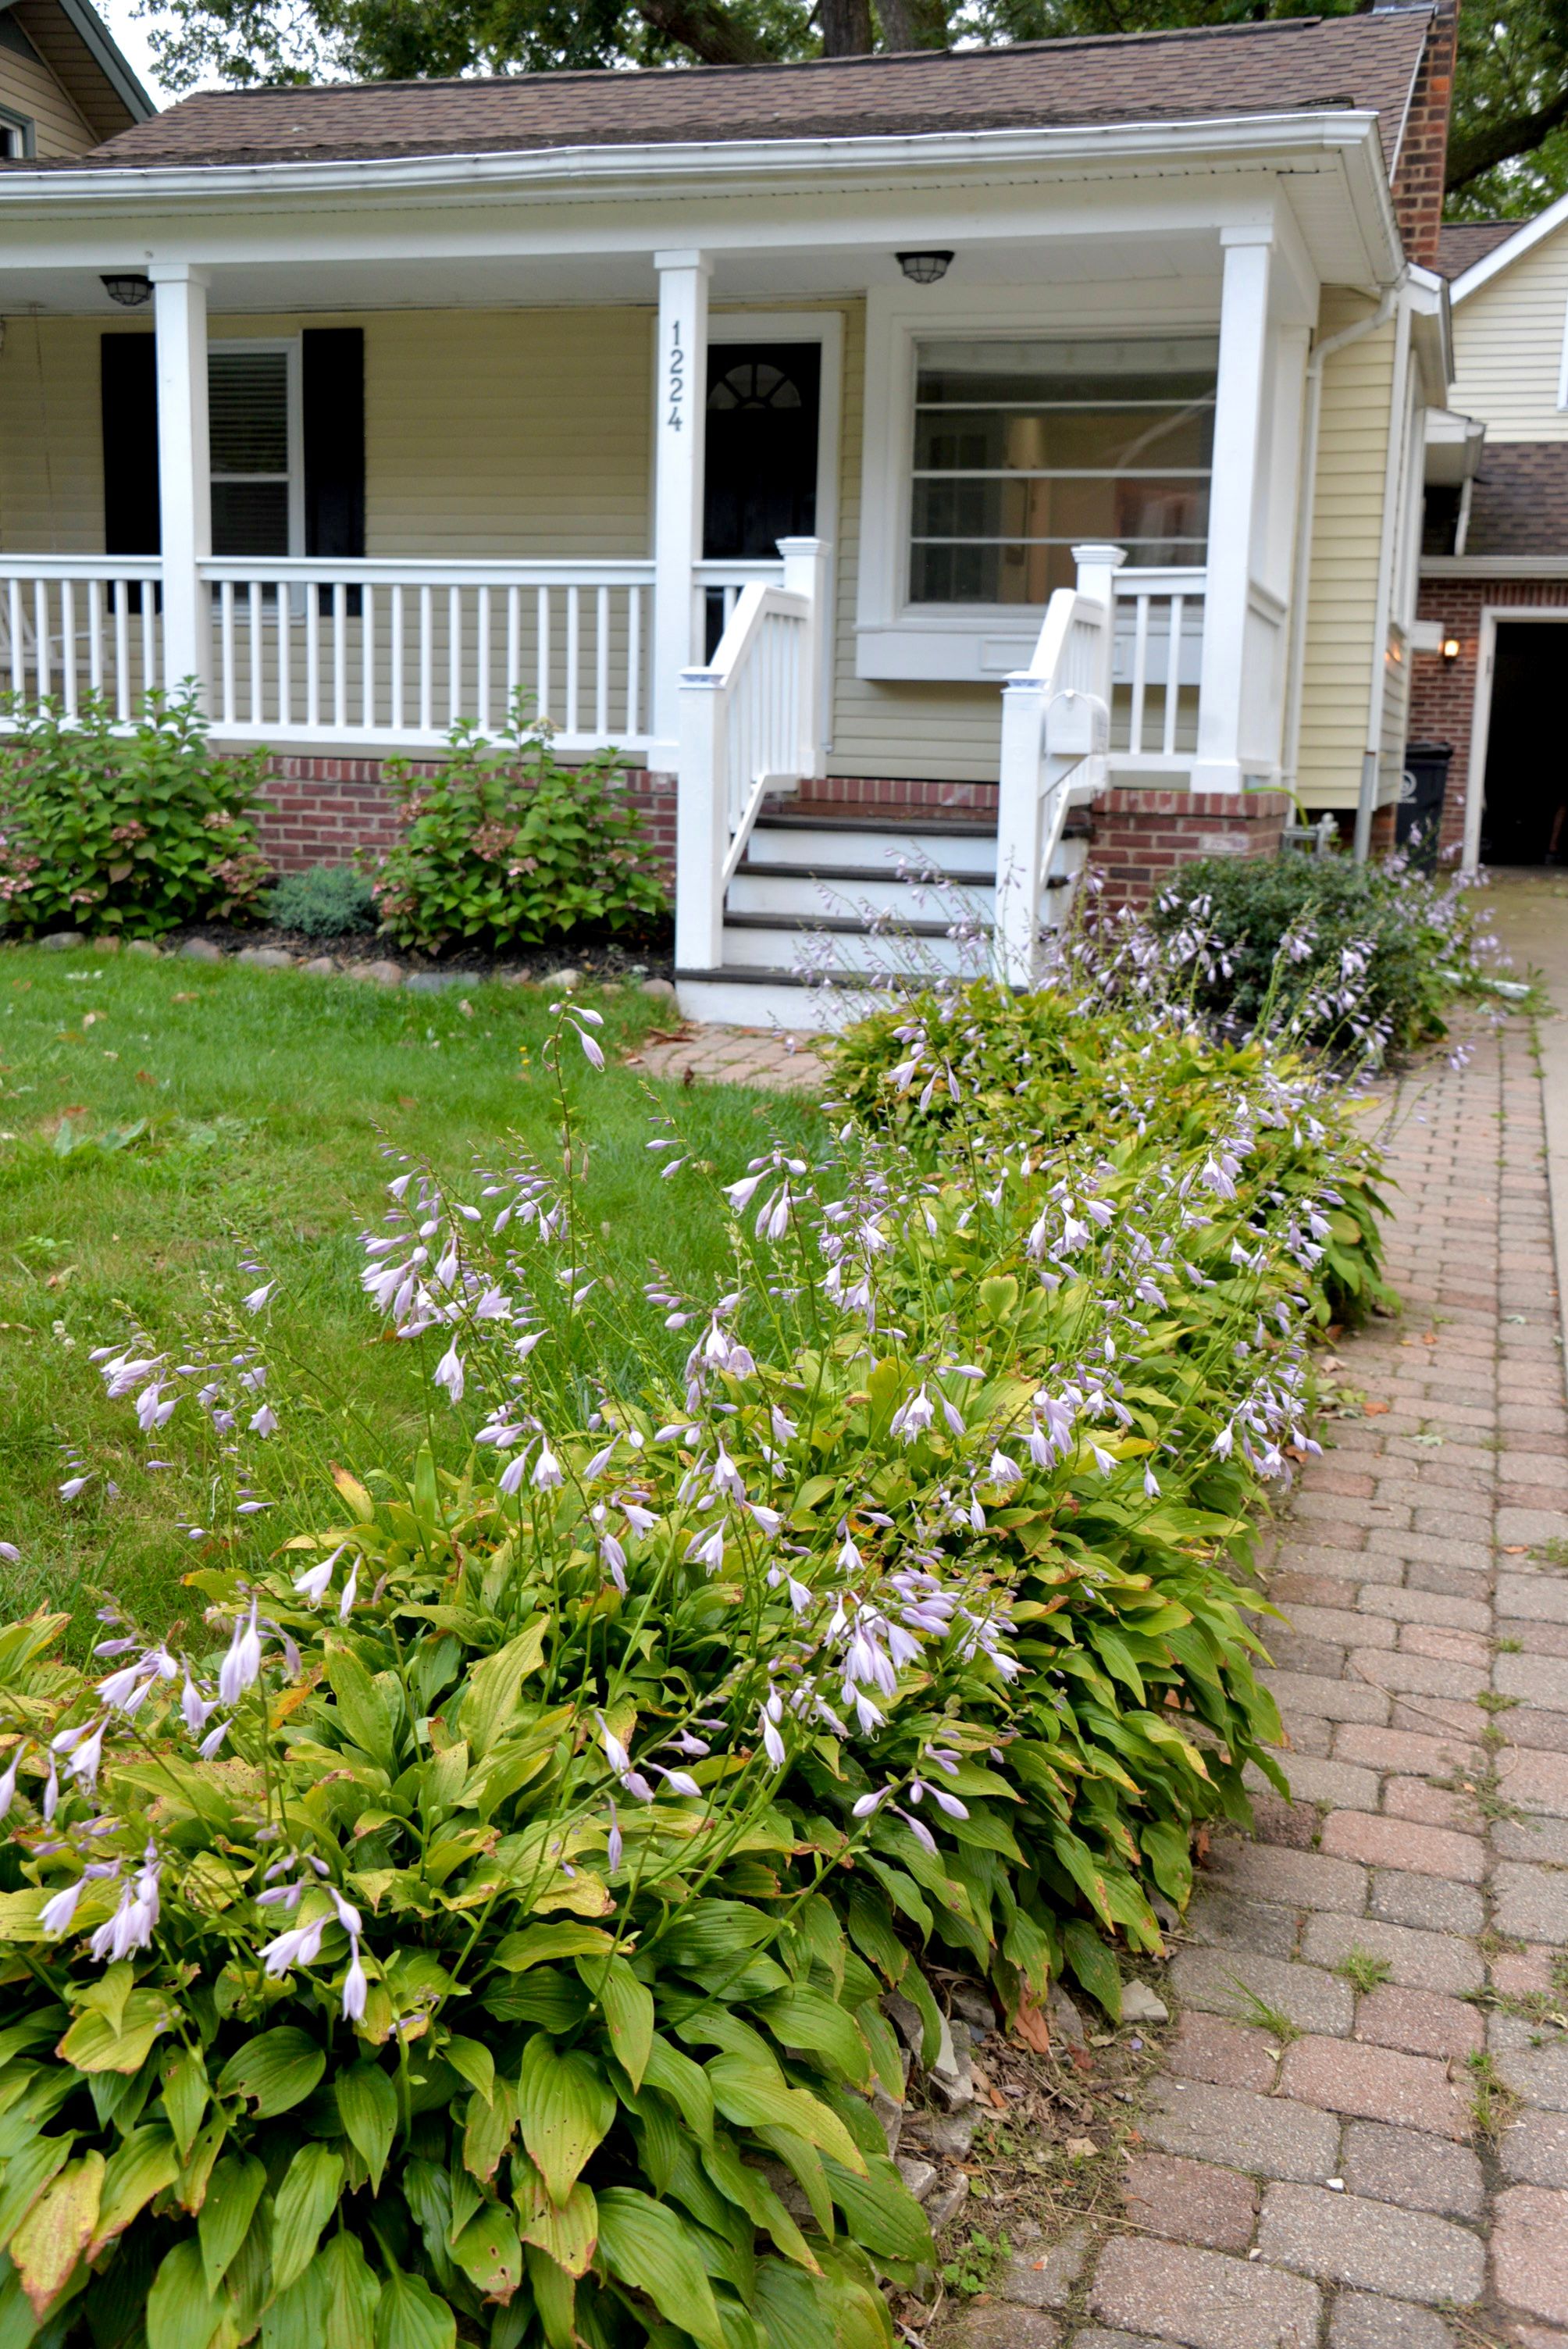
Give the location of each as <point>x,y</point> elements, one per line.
<point>1139,2005</point>
<point>109,944</point>
<point>1065,2021</point>
<point>952,2135</point>
<point>201,950</point>
<point>974,2007</point>
<point>658,986</point>
<point>904,2016</point>
<point>567,979</point>
<point>433,982</point>
<point>147,946</point>
<point>320,967</point>
<point>265,957</point>
<point>889,2117</point>
<point>379,974</point>
<point>61,942</point>
<point>920,2177</point>
<point>946,2202</point>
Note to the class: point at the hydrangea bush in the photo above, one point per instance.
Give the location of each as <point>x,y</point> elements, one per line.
<point>481,1918</point>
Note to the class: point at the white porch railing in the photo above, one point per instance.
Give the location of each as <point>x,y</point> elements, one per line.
<point>1055,736</point>
<point>396,652</point>
<point>71,626</point>
<point>716,588</point>
<point>749,725</point>
<point>1156,668</point>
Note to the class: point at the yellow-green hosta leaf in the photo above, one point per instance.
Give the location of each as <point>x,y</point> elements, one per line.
<point>746,2092</point>
<point>185,2097</point>
<point>488,2130</point>
<point>140,2166</point>
<point>226,2213</point>
<point>570,2234</point>
<point>494,1688</point>
<point>367,2107</point>
<point>555,2298</point>
<point>278,2070</point>
<point>409,2317</point>
<point>26,2176</point>
<point>628,2010</point>
<point>882,2213</point>
<point>489,2254</point>
<point>182,2313</point>
<point>685,2082</point>
<point>810,2019</point>
<point>751,2192</point>
<point>57,2229</point>
<point>352,2293</point>
<point>536,1945</point>
<point>565,2106</point>
<point>306,2200</point>
<point>645,2244</point>
<point>94,2043</point>
<point>471,2060</point>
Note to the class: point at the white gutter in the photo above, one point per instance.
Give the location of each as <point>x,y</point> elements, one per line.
<point>1393,480</point>
<point>1307,500</point>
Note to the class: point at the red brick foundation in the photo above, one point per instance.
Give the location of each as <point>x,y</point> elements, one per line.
<point>1442,693</point>
<point>1142,837</point>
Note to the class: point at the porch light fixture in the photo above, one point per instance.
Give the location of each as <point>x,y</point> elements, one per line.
<point>1450,649</point>
<point>924,268</point>
<point>131,292</point>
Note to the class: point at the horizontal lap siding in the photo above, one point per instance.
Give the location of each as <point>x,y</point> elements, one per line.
<point>1352,456</point>
<point>1508,347</point>
<point>51,436</point>
<point>27,86</point>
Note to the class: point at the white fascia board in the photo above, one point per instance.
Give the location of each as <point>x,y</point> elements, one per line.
<point>1431,329</point>
<point>719,169</point>
<point>1454,445</point>
<point>1529,235</point>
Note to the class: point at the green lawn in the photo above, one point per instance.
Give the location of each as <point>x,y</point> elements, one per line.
<point>157,1119</point>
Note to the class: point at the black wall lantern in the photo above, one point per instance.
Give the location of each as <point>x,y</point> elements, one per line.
<point>924,268</point>
<point>127,289</point>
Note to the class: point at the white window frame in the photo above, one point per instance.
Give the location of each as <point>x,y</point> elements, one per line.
<point>23,128</point>
<point>292,349</point>
<point>1562,365</point>
<point>896,640</point>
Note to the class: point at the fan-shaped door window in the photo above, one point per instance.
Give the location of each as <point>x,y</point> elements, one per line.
<point>761,482</point>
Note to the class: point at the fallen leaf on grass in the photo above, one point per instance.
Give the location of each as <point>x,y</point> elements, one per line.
<point>406,1100</point>
<point>186,995</point>
<point>1081,2148</point>
<point>145,1077</point>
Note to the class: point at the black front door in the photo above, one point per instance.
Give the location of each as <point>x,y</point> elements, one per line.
<point>760,482</point>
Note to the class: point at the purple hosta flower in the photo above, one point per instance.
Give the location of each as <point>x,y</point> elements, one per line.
<point>920,1787</point>
<point>920,1831</point>
<point>725,1476</point>
<point>591,1053</point>
<point>258,1297</point>
<point>767,1720</point>
<point>242,1666</point>
<point>449,1373</point>
<point>600,1462</point>
<point>864,1807</point>
<point>511,1479</point>
<point>350,1591</point>
<point>784,1429</point>
<point>123,1373</point>
<point>152,1409</point>
<point>1224,1443</point>
<point>614,1559</point>
<point>212,1741</point>
<point>8,1782</point>
<point>130,1927</point>
<point>56,1915</point>
<point>1002,1471</point>
<point>82,1752</point>
<point>912,1419</point>
<point>547,1471</point>
<point>740,1194</point>
<point>264,1421</point>
<point>640,1520</point>
<point>1150,1484</point>
<point>708,1552</point>
<point>1104,1460</point>
<point>299,1946</point>
<point>10,1553</point>
<point>679,1782</point>
<point>75,1484</point>
<point>311,1584</point>
<point>614,1845</point>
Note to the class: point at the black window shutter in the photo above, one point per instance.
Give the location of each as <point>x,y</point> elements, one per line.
<point>128,371</point>
<point>333,367</point>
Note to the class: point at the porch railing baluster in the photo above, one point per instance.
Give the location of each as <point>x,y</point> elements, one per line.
<point>121,647</point>
<point>226,649</point>
<point>602,663</point>
<point>311,655</point>
<point>634,657</point>
<point>339,655</point>
<point>427,663</point>
<point>258,683</point>
<point>368,656</point>
<point>454,655</point>
<point>95,635</point>
<point>41,636</point>
<point>286,657</point>
<point>573,618</point>
<point>396,674</point>
<point>483,680</point>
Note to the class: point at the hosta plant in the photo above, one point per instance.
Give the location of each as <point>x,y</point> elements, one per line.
<point>481,1918</point>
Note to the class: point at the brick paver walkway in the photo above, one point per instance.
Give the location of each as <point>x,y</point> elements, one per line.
<point>1387,2168</point>
<point>764,1057</point>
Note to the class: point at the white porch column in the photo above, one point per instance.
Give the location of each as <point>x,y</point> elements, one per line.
<point>184,471</point>
<point>680,391</point>
<point>1237,487</point>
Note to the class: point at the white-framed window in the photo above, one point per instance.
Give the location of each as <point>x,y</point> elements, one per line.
<point>255,428</point>
<point>1003,426</point>
<point>18,141</point>
<point>1024,447</point>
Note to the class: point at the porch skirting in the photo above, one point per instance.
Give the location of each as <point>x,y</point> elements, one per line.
<point>1141,836</point>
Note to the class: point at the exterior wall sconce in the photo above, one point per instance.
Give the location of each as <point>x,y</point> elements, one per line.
<point>1450,649</point>
<point>130,291</point>
<point>924,268</point>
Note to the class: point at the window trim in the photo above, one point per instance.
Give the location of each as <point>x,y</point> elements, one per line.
<point>895,639</point>
<point>11,120</point>
<point>292,349</point>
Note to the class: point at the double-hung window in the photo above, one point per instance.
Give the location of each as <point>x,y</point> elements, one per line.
<point>256,433</point>
<point>1024,447</point>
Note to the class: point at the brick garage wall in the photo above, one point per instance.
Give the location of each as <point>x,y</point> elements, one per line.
<point>1442,693</point>
<point>327,811</point>
<point>1423,147</point>
<point>1142,837</point>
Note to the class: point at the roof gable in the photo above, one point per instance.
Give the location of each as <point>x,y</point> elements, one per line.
<point>1515,240</point>
<point>72,40</point>
<point>1297,64</point>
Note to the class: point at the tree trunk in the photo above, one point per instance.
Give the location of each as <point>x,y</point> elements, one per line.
<point>913,24</point>
<point>846,27</point>
<point>707,29</point>
<point>1471,152</point>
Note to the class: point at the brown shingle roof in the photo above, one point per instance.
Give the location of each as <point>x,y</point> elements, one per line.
<point>1288,66</point>
<point>1520,502</point>
<point>1464,243</point>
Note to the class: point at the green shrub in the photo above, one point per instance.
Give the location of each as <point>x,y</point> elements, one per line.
<point>328,902</point>
<point>508,846</point>
<point>1366,947</point>
<point>136,832</point>
<point>486,1917</point>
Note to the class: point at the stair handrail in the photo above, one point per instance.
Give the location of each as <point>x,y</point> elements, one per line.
<point>751,726</point>
<point>1055,732</point>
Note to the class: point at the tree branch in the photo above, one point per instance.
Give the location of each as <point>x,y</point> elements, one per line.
<point>1490,143</point>
<point>707,29</point>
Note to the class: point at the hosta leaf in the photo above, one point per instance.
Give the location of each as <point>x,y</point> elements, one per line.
<point>494,1689</point>
<point>685,2082</point>
<point>489,2254</point>
<point>882,2213</point>
<point>367,2107</point>
<point>538,1945</point>
<point>56,2231</point>
<point>352,2293</point>
<point>745,2093</point>
<point>361,1712</point>
<point>232,2198</point>
<point>472,2062</point>
<point>26,2175</point>
<point>555,2298</point>
<point>278,2070</point>
<point>409,2317</point>
<point>794,2310</point>
<point>488,2130</point>
<point>566,2106</point>
<point>185,2097</point>
<point>644,2243</point>
<point>1093,1964</point>
<point>749,2188</point>
<point>628,2010</point>
<point>96,2042</point>
<point>140,2166</point>
<point>810,2019</point>
<point>305,2201</point>
<point>569,2235</point>
<point>182,2313</point>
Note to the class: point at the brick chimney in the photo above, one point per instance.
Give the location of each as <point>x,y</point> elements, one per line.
<point>1423,149</point>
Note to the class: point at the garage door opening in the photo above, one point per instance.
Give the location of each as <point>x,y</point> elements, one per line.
<point>1525,814</point>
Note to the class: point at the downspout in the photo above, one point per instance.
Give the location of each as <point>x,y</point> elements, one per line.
<point>1393,483</point>
<point>1306,499</point>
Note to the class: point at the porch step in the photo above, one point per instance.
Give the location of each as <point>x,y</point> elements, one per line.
<point>819,843</point>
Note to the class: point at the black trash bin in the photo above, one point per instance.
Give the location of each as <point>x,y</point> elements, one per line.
<point>1419,820</point>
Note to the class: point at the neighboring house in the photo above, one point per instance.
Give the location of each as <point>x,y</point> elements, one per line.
<point>1495,567</point>
<point>1096,365</point>
<point>64,86</point>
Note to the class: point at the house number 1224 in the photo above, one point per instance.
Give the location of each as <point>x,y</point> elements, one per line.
<point>675,420</point>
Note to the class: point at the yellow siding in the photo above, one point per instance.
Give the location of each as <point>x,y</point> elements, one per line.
<point>1508,347</point>
<point>51,437</point>
<point>27,86</point>
<point>1342,618</point>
